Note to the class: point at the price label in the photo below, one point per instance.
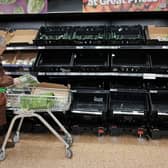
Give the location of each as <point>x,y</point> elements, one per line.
<point>153,91</point>
<point>135,112</point>
<point>41,47</point>
<point>165,47</point>
<point>113,90</point>
<point>74,91</point>
<point>107,47</point>
<point>149,76</point>
<point>41,73</point>
<point>79,47</point>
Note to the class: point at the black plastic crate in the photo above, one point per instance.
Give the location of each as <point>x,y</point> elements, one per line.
<point>71,35</point>
<point>89,111</point>
<point>159,115</point>
<point>159,110</point>
<point>89,102</point>
<point>89,35</point>
<point>128,113</point>
<point>54,35</point>
<point>91,61</point>
<point>157,84</point>
<point>126,35</point>
<point>160,103</point>
<point>129,103</point>
<point>159,61</point>
<point>130,62</point>
<point>127,83</point>
<point>89,83</point>
<point>85,122</point>
<point>54,61</point>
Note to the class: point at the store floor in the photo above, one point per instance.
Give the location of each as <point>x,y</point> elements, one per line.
<point>44,151</point>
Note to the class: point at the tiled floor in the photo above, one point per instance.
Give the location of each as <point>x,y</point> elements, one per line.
<point>44,151</point>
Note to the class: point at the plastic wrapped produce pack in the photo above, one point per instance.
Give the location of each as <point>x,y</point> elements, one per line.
<point>27,80</point>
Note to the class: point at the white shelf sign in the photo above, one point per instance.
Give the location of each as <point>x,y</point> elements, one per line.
<point>149,76</point>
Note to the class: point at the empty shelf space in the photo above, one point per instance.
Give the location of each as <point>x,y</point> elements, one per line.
<point>88,83</point>
<point>91,58</point>
<point>157,84</point>
<point>129,59</point>
<point>126,106</point>
<point>126,83</point>
<point>160,103</point>
<point>55,58</point>
<point>128,103</point>
<point>160,61</point>
<point>89,103</point>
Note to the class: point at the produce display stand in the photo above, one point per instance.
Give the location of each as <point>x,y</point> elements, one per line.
<point>28,103</point>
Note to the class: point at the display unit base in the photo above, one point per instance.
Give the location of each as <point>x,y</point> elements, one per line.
<point>136,131</point>
<point>158,133</point>
<point>78,130</point>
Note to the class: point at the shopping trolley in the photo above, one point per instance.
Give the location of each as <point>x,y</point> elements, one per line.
<point>30,102</point>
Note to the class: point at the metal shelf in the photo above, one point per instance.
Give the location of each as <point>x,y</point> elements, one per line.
<point>20,47</point>
<point>98,91</point>
<point>128,113</point>
<point>162,114</point>
<point>87,74</point>
<point>86,112</point>
<point>114,47</point>
<point>158,91</point>
<point>127,90</point>
<point>17,65</point>
<point>143,75</point>
<point>16,73</point>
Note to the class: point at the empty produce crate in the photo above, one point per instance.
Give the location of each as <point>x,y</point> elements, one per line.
<point>129,62</point>
<point>159,114</point>
<point>128,113</point>
<point>88,110</point>
<point>157,84</point>
<point>54,61</point>
<point>126,35</point>
<point>91,61</point>
<point>126,83</point>
<point>159,61</point>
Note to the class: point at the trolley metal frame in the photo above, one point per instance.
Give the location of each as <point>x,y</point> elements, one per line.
<point>67,140</point>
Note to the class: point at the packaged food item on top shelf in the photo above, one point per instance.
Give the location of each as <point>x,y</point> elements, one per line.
<point>27,80</point>
<point>23,36</point>
<point>157,34</point>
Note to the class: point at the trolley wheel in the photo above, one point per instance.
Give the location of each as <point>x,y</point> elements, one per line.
<point>147,137</point>
<point>2,155</point>
<point>69,153</point>
<point>69,140</point>
<point>16,138</point>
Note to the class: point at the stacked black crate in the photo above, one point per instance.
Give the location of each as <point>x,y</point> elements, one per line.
<point>159,114</point>
<point>129,107</point>
<point>129,103</point>
<point>90,94</point>
<point>48,65</point>
<point>158,93</point>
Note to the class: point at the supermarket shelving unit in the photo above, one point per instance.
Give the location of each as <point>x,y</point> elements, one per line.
<point>126,85</point>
